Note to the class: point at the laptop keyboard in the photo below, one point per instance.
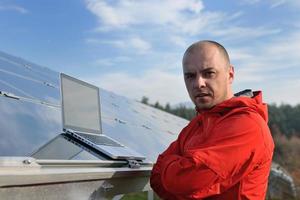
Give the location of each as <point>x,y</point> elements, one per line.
<point>100,140</point>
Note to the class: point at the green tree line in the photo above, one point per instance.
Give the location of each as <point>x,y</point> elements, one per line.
<point>283,119</point>
<point>284,123</point>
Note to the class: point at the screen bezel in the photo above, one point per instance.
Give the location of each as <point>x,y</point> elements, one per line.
<point>77,128</point>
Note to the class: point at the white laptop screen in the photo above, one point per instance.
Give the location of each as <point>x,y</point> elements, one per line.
<point>80,105</point>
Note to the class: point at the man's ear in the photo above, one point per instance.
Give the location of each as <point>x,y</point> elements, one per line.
<point>231,73</point>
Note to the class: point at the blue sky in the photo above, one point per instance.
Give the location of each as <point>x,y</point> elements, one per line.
<point>134,48</point>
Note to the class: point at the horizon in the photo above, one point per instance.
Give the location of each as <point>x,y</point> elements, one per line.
<point>134,48</point>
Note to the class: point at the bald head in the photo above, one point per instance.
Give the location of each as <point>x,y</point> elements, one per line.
<point>208,74</point>
<point>203,45</point>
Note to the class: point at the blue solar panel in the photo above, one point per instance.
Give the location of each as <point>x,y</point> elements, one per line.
<point>29,123</point>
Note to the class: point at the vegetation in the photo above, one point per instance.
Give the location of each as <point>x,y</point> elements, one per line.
<point>181,110</point>
<point>284,123</point>
<point>138,196</point>
<point>285,119</point>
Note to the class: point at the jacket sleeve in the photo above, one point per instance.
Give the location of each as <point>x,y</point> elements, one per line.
<point>214,166</point>
<point>155,179</point>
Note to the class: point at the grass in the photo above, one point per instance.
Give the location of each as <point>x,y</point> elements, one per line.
<point>138,196</point>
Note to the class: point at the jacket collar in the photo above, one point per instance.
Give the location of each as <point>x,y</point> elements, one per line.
<point>246,98</point>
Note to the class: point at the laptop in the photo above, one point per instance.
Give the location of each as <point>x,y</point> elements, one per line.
<point>81,119</point>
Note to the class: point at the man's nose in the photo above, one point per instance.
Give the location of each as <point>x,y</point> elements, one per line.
<point>200,82</point>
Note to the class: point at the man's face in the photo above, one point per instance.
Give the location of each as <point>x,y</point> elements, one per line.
<point>208,76</point>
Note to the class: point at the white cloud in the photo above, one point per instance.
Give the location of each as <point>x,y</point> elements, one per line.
<point>170,61</point>
<point>132,43</point>
<point>122,59</point>
<point>178,40</point>
<point>277,3</point>
<point>279,53</point>
<point>180,21</point>
<point>294,2</point>
<point>272,66</point>
<point>285,91</point>
<point>15,8</point>
<point>274,3</point>
<point>201,23</point>
<point>247,75</point>
<point>111,61</point>
<point>244,32</point>
<point>257,66</point>
<point>155,84</point>
<point>93,41</point>
<point>104,62</point>
<point>107,14</point>
<point>236,15</point>
<point>285,51</point>
<point>127,12</point>
<point>178,17</point>
<point>240,54</point>
<point>251,1</point>
<point>139,44</point>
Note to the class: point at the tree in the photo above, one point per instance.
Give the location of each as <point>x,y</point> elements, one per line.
<point>145,100</point>
<point>157,105</point>
<point>167,108</point>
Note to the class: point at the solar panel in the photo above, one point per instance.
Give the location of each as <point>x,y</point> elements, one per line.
<point>33,122</point>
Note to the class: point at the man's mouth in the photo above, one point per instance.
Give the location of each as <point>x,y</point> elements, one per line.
<point>200,95</point>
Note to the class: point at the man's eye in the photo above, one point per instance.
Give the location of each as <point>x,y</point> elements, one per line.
<point>189,76</point>
<point>209,74</point>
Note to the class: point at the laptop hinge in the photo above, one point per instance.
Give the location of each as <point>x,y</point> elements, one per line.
<point>67,130</point>
<point>134,164</point>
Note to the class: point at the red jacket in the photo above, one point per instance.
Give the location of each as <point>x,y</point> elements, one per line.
<point>224,153</point>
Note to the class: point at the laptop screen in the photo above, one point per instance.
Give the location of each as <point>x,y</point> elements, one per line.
<point>80,105</point>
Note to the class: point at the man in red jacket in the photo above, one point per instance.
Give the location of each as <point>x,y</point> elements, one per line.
<point>225,152</point>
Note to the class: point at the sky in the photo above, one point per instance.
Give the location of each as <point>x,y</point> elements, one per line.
<point>134,47</point>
